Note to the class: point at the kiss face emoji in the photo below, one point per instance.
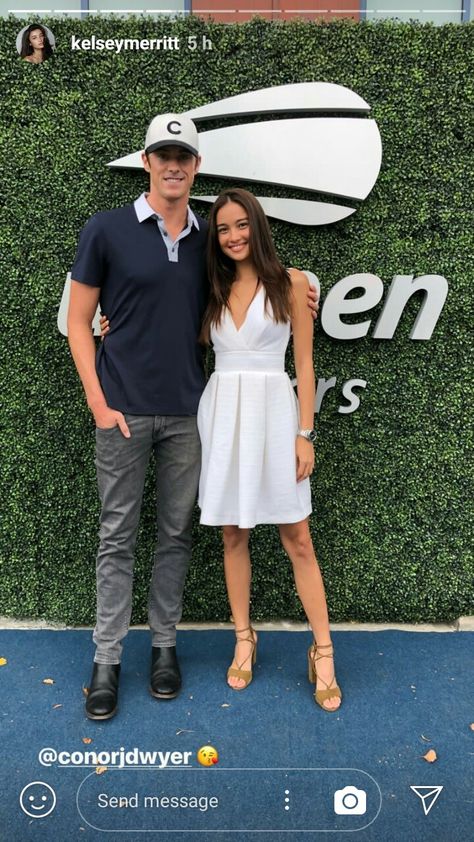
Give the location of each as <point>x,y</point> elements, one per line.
<point>207,756</point>
<point>37,799</point>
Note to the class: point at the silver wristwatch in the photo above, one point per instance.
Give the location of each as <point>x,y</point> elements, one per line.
<point>310,435</point>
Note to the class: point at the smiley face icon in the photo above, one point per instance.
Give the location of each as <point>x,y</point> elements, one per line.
<point>37,799</point>
<point>207,756</point>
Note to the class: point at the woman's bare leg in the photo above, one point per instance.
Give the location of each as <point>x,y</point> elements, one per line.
<point>296,540</point>
<point>238,574</point>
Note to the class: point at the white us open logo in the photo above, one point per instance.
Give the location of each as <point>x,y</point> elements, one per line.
<point>336,156</point>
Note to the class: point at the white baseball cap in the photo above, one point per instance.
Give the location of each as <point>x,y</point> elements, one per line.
<point>172,130</point>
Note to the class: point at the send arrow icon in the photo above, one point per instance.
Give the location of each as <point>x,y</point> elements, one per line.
<point>428,795</point>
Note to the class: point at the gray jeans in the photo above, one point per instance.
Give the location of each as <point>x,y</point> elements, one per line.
<point>121,468</point>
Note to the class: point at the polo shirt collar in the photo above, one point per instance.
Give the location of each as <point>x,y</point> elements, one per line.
<point>143,211</point>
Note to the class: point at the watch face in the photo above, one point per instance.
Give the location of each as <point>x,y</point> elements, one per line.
<point>312,436</point>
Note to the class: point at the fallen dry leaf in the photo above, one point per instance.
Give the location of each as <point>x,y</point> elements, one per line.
<point>225,705</point>
<point>56,706</point>
<point>85,690</point>
<point>100,770</point>
<point>48,680</point>
<point>430,756</point>
<point>87,740</point>
<point>3,661</point>
<point>472,726</point>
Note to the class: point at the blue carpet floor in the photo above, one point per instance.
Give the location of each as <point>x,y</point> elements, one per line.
<point>283,763</point>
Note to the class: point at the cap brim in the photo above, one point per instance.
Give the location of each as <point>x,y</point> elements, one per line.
<point>161,143</point>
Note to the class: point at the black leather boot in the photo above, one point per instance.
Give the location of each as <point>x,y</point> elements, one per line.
<point>165,679</point>
<point>101,702</point>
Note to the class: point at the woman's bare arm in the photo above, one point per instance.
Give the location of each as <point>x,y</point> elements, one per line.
<point>302,326</point>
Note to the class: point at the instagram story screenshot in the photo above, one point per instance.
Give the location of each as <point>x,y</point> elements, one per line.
<point>237,443</point>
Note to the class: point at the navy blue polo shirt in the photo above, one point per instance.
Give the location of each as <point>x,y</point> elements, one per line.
<point>150,362</point>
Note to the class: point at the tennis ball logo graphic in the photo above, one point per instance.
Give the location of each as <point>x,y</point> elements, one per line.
<point>338,157</point>
<point>208,756</point>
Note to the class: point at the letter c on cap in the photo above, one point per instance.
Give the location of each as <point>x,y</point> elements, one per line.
<point>174,131</point>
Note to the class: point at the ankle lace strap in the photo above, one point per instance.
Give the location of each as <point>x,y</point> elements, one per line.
<point>317,655</point>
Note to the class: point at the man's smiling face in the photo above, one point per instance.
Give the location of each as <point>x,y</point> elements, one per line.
<point>172,170</point>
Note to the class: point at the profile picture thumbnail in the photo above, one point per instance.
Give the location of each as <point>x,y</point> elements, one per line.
<point>35,43</point>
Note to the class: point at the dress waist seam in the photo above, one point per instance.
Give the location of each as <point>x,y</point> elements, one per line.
<point>253,361</point>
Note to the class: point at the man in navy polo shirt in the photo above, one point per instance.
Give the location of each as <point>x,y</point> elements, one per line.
<point>145,263</point>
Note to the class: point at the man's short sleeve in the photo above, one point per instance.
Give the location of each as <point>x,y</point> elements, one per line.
<point>90,264</point>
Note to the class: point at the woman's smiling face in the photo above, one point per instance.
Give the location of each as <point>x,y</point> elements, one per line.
<point>233,231</point>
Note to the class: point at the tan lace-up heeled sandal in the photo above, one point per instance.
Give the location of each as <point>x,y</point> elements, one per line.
<point>321,696</point>
<point>238,672</point>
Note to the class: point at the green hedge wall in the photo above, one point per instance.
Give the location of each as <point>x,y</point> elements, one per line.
<point>392,487</point>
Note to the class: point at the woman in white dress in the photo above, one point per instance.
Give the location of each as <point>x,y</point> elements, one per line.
<point>257,445</point>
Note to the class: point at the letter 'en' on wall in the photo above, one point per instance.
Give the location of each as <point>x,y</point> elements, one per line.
<point>64,305</point>
<point>402,288</point>
<point>336,304</point>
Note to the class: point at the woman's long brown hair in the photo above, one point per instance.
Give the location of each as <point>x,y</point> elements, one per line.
<point>222,270</point>
<point>26,47</point>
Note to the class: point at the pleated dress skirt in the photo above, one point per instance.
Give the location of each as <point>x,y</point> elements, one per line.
<point>248,422</point>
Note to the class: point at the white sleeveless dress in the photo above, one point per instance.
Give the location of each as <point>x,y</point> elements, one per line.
<point>248,421</point>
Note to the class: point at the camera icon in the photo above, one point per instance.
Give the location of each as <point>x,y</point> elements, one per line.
<point>350,801</point>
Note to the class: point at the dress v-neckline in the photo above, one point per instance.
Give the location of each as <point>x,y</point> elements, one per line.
<point>256,294</point>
